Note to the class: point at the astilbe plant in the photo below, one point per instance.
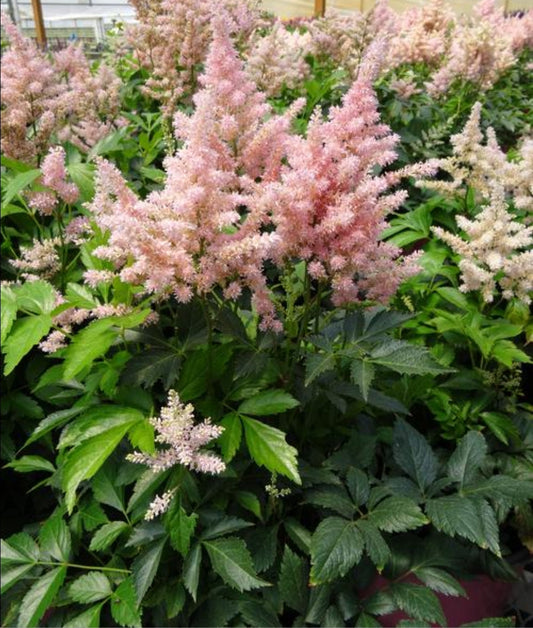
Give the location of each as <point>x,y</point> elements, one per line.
<point>171,40</point>
<point>194,234</point>
<point>49,99</point>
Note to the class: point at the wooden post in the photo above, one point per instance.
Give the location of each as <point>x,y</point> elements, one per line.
<point>39,23</point>
<point>320,8</point>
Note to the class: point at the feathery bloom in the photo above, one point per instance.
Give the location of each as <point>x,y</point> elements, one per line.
<point>491,254</point>
<point>175,428</point>
<point>331,204</point>
<point>205,228</point>
<point>45,99</point>
<point>476,162</point>
<point>39,261</point>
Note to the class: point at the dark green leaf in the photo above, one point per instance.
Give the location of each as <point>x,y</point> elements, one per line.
<point>25,334</point>
<point>407,359</point>
<point>8,311</point>
<point>145,566</point>
<point>397,514</point>
<point>181,528</point>
<point>18,183</point>
<point>439,581</point>
<point>106,535</point>
<point>151,366</point>
<point>298,534</point>
<point>27,464</point>
<point>358,485</point>
<point>227,525</point>
<point>318,603</point>
<point>465,461</point>
<point>466,517</point>
<point>317,364</point>
<point>268,402</point>
<point>375,546</point>
<point>231,560</point>
<point>191,570</point>
<point>52,421</point>
<point>333,497</point>
<point>124,605</point>
<point>91,587</point>
<point>418,602</point>
<point>88,619</point>
<point>230,439</point>
<point>362,373</point>
<point>40,597</point>
<point>258,614</point>
<point>336,546</point>
<point>54,539</point>
<point>292,583</point>
<point>268,448</point>
<point>82,462</point>
<point>414,455</point>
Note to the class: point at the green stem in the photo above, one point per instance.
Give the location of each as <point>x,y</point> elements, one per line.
<point>87,567</point>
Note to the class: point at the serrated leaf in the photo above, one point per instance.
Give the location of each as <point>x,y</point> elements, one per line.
<point>25,334</point>
<point>467,517</point>
<point>407,359</point>
<point>88,619</point>
<point>106,535</point>
<point>414,455</point>
<point>397,514</point>
<point>318,603</point>
<point>145,566</point>
<point>298,534</point>
<point>28,464</point>
<point>375,546</point>
<point>53,421</point>
<point>358,485</point>
<point>362,373</point>
<point>18,183</point>
<point>380,603</point>
<point>79,295</point>
<point>181,527</point>
<point>8,311</point>
<point>418,602</point>
<point>440,581</point>
<point>268,448</point>
<point>82,174</point>
<point>467,458</point>
<point>54,539</point>
<point>333,497</point>
<point>151,366</point>
<point>95,421</point>
<point>227,525</point>
<point>82,462</point>
<point>37,297</point>
<point>105,489</point>
<point>502,488</point>
<point>336,546</point>
<point>230,439</point>
<point>191,570</point>
<point>12,574</point>
<point>174,599</point>
<point>317,364</point>
<point>249,501</point>
<point>232,561</point>
<point>40,597</point>
<point>91,587</point>
<point>292,583</point>
<point>268,402</point>
<point>501,426</point>
<point>124,605</point>
<point>89,344</point>
<point>258,614</point>
<point>332,617</point>
<point>19,548</point>
<point>367,621</point>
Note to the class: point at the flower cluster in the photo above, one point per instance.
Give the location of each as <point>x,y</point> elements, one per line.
<point>171,40</point>
<point>175,427</point>
<point>277,59</point>
<point>54,177</point>
<point>243,190</point>
<point>48,99</point>
<point>476,163</point>
<point>491,254</point>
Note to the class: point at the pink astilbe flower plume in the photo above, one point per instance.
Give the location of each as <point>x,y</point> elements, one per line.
<point>330,207</point>
<point>175,428</point>
<point>49,99</point>
<point>205,228</point>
